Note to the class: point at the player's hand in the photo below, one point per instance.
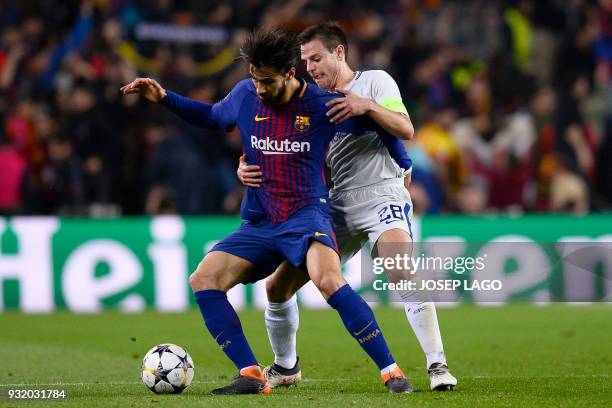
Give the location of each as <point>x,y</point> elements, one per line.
<point>347,106</point>
<point>249,176</point>
<point>147,87</point>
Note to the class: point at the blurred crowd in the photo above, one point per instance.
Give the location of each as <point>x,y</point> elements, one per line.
<point>511,100</point>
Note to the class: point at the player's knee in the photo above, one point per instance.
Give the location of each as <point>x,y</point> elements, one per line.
<point>277,292</point>
<point>204,278</point>
<point>329,283</point>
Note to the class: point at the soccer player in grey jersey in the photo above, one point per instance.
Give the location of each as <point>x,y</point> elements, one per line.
<point>369,201</point>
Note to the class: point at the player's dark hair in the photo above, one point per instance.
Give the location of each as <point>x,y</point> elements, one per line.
<point>276,48</point>
<point>329,33</point>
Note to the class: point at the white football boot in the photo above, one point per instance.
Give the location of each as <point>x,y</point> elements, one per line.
<point>440,377</point>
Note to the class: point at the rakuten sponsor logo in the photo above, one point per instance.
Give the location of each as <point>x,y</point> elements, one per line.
<point>270,146</point>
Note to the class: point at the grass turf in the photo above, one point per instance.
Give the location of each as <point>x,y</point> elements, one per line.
<point>518,355</point>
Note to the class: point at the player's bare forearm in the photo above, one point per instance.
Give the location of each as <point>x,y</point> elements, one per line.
<point>396,123</point>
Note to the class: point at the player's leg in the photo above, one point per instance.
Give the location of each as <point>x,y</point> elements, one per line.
<point>419,308</point>
<point>282,321</point>
<point>215,275</point>
<point>282,316</point>
<point>233,260</point>
<point>308,239</point>
<point>323,266</point>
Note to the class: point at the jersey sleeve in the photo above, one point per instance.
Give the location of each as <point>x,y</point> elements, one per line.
<point>194,112</point>
<point>386,93</point>
<point>221,114</point>
<point>225,112</point>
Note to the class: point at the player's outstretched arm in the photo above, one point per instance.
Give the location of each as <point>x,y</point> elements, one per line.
<point>249,175</point>
<point>396,123</point>
<point>195,112</point>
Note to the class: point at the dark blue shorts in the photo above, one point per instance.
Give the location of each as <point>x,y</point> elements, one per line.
<point>266,245</point>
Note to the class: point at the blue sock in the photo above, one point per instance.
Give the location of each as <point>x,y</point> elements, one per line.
<point>359,320</point>
<point>224,325</point>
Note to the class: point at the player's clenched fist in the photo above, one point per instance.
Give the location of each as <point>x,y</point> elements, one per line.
<point>147,87</point>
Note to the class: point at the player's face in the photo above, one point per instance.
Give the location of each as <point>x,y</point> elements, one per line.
<point>322,65</point>
<point>269,83</point>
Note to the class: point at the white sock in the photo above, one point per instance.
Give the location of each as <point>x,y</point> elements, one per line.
<point>282,321</point>
<point>424,322</point>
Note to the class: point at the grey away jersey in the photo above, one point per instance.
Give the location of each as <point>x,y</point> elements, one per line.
<point>362,160</point>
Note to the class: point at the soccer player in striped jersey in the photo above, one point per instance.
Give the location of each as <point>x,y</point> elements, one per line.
<point>284,130</point>
<point>369,201</point>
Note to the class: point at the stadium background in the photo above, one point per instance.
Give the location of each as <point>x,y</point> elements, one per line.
<point>107,202</point>
<point>510,99</point>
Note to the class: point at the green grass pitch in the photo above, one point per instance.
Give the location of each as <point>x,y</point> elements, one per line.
<point>518,355</point>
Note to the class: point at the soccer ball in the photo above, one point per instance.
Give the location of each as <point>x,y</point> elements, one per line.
<point>167,369</point>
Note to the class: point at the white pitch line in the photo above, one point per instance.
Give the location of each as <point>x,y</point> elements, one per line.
<point>539,376</point>
<point>304,380</point>
<point>56,384</point>
<point>138,382</point>
<point>66,383</point>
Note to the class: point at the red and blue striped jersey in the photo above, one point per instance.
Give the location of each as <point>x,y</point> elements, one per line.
<point>287,141</point>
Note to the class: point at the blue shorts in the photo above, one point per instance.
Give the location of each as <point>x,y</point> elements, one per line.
<point>266,245</point>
